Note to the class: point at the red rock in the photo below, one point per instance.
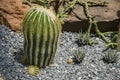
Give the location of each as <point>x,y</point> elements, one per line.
<point>11,13</point>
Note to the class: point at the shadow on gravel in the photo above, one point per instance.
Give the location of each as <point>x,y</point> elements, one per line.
<point>10,66</point>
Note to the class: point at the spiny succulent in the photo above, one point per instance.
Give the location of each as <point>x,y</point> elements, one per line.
<point>33,70</point>
<point>41,29</point>
<point>110,56</point>
<point>78,56</point>
<point>82,38</point>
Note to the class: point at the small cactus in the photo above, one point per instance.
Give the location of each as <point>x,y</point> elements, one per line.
<point>78,56</point>
<point>82,38</point>
<point>41,29</point>
<point>33,70</point>
<point>110,56</point>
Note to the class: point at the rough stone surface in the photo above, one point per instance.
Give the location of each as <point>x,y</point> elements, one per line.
<point>108,13</point>
<point>12,11</point>
<point>108,17</point>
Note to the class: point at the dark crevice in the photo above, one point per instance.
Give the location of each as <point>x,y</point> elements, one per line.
<point>104,26</point>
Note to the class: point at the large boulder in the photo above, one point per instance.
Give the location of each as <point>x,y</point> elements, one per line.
<point>101,13</point>
<point>108,17</point>
<point>12,11</point>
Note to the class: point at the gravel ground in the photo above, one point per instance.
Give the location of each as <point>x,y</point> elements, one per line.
<point>92,67</point>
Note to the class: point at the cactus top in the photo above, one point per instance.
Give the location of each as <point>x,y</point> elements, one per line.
<point>46,11</point>
<point>41,10</point>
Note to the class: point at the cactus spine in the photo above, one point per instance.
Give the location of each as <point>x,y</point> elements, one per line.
<point>41,30</point>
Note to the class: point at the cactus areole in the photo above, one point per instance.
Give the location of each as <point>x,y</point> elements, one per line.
<point>41,29</point>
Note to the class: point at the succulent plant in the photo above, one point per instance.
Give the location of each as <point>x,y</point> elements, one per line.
<point>78,56</point>
<point>82,38</point>
<point>33,70</point>
<point>110,56</point>
<point>41,29</point>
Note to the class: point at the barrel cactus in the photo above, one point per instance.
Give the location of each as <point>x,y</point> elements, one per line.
<point>41,29</point>
<point>79,56</point>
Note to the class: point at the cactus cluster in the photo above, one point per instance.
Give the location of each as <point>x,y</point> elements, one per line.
<point>41,29</point>
<point>78,56</point>
<point>110,56</point>
<point>82,38</point>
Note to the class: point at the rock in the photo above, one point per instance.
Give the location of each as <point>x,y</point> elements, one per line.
<point>107,17</point>
<point>70,61</point>
<point>11,13</point>
<point>101,13</point>
<point>1,77</point>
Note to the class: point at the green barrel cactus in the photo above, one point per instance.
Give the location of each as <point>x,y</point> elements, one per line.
<point>41,29</point>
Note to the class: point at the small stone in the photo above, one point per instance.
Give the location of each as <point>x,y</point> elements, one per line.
<point>54,65</point>
<point>1,77</point>
<point>70,61</point>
